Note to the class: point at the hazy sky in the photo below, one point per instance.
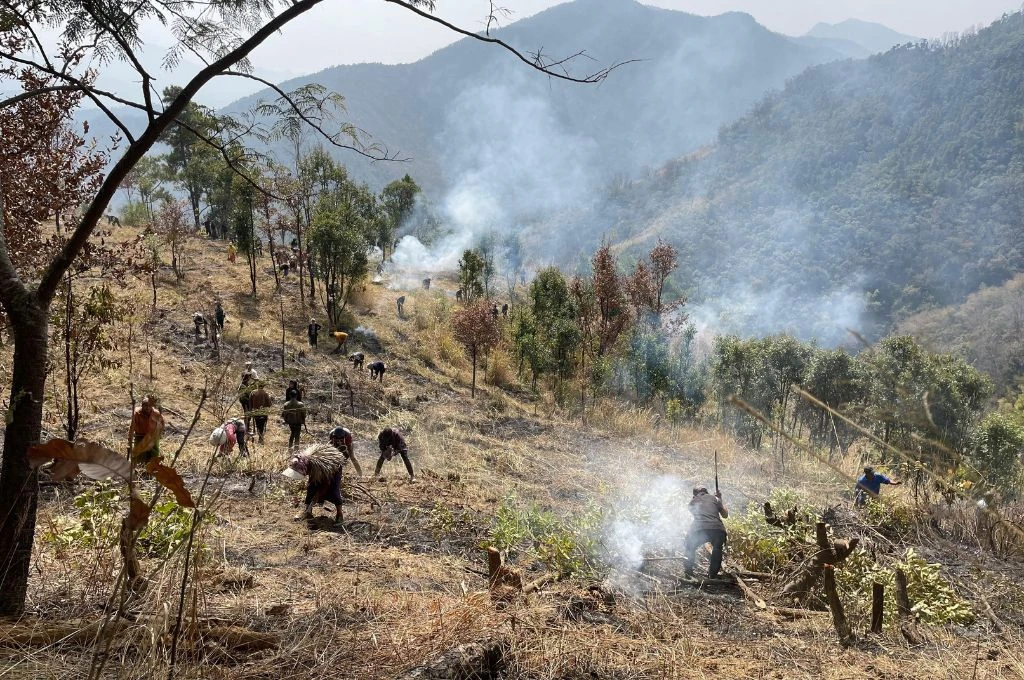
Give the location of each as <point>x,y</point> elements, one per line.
<point>369,30</point>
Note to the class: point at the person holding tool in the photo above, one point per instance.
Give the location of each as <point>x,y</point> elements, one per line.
<point>707,527</point>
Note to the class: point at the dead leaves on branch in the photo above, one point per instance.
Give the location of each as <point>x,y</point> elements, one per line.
<point>169,478</point>
<point>98,462</point>
<point>91,459</point>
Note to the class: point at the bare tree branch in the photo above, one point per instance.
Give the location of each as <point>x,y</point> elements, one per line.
<point>59,264</point>
<point>362,151</point>
<point>538,61</point>
<point>11,101</point>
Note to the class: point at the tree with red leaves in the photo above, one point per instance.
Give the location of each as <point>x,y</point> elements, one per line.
<point>610,295</point>
<point>476,327</point>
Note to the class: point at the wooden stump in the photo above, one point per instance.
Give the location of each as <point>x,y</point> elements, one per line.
<point>842,625</point>
<point>801,582</point>
<point>908,622</point>
<point>877,606</point>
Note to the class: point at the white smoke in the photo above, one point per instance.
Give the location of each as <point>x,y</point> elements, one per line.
<point>512,161</point>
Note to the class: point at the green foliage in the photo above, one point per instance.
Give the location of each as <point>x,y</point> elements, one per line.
<point>397,201</point>
<point>933,600</point>
<point>996,447</point>
<point>99,512</point>
<point>565,545</point>
<point>135,214</point>
<point>471,275</point>
<point>762,547</point>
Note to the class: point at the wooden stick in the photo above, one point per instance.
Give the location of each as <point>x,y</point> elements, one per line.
<point>902,599</point>
<point>877,606</point>
<point>750,594</point>
<point>839,620</point>
<point>530,587</point>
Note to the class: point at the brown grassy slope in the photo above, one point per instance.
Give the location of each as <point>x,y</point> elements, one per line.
<point>400,584</point>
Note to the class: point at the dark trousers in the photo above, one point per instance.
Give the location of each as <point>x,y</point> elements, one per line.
<point>261,425</point>
<point>296,430</point>
<point>405,459</point>
<point>312,340</point>
<point>697,538</point>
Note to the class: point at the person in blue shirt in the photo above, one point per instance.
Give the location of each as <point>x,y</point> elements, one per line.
<point>870,484</point>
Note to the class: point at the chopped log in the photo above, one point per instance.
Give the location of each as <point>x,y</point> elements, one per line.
<point>534,585</point>
<point>750,594</point>
<point>842,625</point>
<point>499,574</point>
<point>877,606</point>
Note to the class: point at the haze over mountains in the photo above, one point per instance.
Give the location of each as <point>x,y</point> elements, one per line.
<point>693,74</point>
<point>861,193</point>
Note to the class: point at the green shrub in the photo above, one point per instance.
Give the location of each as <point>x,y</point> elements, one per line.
<point>97,523</point>
<point>564,545</point>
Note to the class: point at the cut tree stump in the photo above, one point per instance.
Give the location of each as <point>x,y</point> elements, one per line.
<point>877,606</point>
<point>771,518</point>
<point>829,553</point>
<point>908,622</point>
<point>842,625</point>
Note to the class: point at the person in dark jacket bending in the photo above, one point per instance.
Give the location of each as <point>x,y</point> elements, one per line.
<point>341,439</point>
<point>707,527</point>
<point>391,442</point>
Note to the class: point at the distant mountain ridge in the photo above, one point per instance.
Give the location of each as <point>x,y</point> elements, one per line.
<point>863,192</point>
<point>871,36</point>
<point>693,75</point>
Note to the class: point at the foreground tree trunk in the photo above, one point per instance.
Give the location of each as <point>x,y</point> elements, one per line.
<point>18,482</point>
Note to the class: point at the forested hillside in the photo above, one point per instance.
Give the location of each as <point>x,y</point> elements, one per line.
<point>864,191</point>
<point>467,105</point>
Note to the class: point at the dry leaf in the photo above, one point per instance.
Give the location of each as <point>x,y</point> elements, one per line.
<point>138,513</point>
<point>64,469</point>
<point>95,460</point>
<point>169,478</point>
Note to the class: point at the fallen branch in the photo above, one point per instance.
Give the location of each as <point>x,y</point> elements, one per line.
<point>534,585</point>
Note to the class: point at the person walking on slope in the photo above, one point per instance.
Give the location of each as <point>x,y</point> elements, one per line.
<point>219,315</point>
<point>391,442</point>
<point>259,407</point>
<point>707,527</point>
<point>146,428</point>
<point>313,331</point>
<point>294,413</point>
<point>870,484</point>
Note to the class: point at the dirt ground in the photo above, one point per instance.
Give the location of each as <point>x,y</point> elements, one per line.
<point>400,588</point>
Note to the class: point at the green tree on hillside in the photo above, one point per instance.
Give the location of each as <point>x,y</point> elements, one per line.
<point>471,275</point>
<point>397,201</point>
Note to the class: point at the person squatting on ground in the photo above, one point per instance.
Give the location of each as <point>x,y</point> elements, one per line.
<point>341,439</point>
<point>313,331</point>
<point>199,319</point>
<point>323,466</point>
<point>294,413</point>
<point>342,339</point>
<point>870,484</point>
<point>146,428</point>
<point>377,369</point>
<point>707,527</point>
<point>391,442</point>
<point>227,435</point>
<point>259,406</point>
<point>357,360</point>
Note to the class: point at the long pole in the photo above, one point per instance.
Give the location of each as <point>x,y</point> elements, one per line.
<point>716,472</point>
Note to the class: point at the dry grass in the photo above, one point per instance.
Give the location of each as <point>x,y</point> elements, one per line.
<point>399,585</point>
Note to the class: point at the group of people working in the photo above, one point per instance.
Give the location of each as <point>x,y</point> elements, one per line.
<point>708,511</point>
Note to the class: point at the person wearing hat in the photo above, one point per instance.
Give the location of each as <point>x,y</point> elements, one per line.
<point>870,483</point>
<point>707,527</point>
<point>313,331</point>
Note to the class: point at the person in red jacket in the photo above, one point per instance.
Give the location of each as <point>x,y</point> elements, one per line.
<point>341,439</point>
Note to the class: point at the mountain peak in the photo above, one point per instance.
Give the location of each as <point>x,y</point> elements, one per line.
<point>873,37</point>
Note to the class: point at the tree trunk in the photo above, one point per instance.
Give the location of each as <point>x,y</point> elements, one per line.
<point>18,482</point>
<point>839,620</point>
<point>472,391</point>
<point>802,581</point>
